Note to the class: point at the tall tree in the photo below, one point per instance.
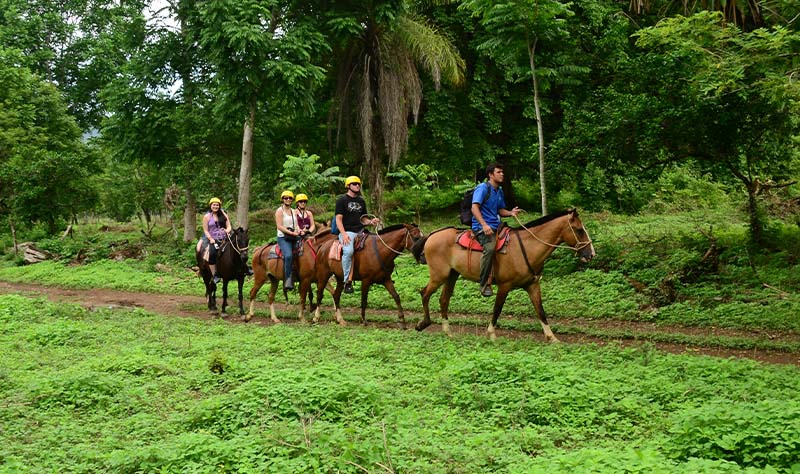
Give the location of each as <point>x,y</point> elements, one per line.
<point>44,165</point>
<point>264,54</point>
<point>381,46</point>
<point>518,29</point>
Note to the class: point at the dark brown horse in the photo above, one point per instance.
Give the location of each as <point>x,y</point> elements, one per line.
<point>265,268</point>
<point>374,263</point>
<point>231,265</point>
<point>519,266</point>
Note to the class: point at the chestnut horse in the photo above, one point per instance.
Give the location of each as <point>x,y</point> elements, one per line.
<point>520,266</point>
<point>231,265</point>
<point>374,263</point>
<point>272,268</point>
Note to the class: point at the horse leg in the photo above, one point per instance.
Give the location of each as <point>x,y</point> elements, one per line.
<point>259,278</point>
<point>224,295</point>
<point>535,293</point>
<point>389,284</point>
<point>337,294</point>
<point>273,289</point>
<point>320,290</point>
<point>444,299</point>
<point>305,287</point>
<point>499,301</point>
<point>241,283</point>
<point>433,284</point>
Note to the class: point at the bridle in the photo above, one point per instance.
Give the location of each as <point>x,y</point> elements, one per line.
<point>580,245</point>
<point>235,244</point>
<point>405,241</point>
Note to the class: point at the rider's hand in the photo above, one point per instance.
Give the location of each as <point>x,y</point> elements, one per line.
<point>487,230</point>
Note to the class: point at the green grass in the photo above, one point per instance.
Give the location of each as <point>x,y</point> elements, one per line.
<point>128,391</point>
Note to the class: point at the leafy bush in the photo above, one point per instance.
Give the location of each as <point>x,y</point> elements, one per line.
<point>758,434</point>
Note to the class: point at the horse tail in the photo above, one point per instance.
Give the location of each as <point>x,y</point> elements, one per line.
<point>418,249</point>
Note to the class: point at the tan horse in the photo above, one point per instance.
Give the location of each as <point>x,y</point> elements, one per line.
<point>372,264</point>
<point>265,268</point>
<point>519,267</point>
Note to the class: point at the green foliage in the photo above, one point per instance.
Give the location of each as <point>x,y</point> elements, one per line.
<point>127,391</point>
<point>417,183</point>
<point>304,174</point>
<point>757,434</point>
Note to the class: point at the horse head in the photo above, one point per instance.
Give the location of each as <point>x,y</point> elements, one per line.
<point>241,241</point>
<point>413,234</point>
<point>576,236</point>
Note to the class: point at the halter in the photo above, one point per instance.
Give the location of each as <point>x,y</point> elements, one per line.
<point>580,245</point>
<point>405,239</point>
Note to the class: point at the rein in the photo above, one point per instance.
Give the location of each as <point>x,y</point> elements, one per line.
<point>405,239</point>
<point>235,245</point>
<point>578,247</point>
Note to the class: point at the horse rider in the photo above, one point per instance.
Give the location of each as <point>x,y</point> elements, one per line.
<point>486,214</point>
<point>350,215</point>
<point>288,234</point>
<point>216,225</point>
<point>305,218</point>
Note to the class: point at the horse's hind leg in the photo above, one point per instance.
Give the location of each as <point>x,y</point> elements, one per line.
<point>273,288</point>
<point>365,284</point>
<point>535,293</point>
<point>241,306</point>
<point>260,278</point>
<point>433,284</point>
<point>224,295</point>
<point>392,291</point>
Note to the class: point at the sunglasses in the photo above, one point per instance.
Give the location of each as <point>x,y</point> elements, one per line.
<point>290,199</point>
<point>301,202</point>
<point>355,184</point>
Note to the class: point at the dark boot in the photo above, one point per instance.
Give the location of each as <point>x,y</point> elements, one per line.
<point>249,271</point>
<point>288,284</point>
<point>216,279</point>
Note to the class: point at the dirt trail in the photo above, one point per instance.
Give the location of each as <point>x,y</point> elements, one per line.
<point>194,306</point>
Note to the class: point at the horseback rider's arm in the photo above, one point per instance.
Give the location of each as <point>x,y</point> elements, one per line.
<point>205,228</point>
<point>506,213</point>
<point>367,221</point>
<point>476,212</point>
<point>312,229</point>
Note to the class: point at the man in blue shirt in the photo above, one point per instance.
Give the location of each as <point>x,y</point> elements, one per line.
<point>486,214</point>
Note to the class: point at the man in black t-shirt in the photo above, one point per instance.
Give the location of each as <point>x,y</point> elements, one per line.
<point>350,215</point>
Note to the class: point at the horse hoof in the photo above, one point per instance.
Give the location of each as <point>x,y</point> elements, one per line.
<point>422,325</point>
<point>275,320</point>
<point>247,317</point>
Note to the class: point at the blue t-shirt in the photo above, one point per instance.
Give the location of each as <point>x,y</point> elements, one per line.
<point>489,209</point>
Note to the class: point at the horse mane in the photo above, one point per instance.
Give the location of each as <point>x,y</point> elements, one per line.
<point>391,228</point>
<point>547,218</point>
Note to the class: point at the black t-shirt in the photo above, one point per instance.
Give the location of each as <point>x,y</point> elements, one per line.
<point>351,209</point>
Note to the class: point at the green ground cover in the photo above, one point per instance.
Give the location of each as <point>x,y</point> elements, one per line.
<point>128,391</point>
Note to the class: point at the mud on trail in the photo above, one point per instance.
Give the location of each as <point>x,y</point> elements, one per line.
<point>194,307</point>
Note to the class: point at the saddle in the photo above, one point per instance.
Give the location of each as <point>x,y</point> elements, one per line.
<point>204,248</point>
<point>466,239</point>
<point>275,251</point>
<point>335,252</point>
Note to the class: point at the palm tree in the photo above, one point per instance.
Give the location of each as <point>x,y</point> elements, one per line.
<point>378,81</point>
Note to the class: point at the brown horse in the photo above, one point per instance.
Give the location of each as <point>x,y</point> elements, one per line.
<point>520,266</point>
<point>374,263</point>
<point>272,268</point>
<point>231,265</point>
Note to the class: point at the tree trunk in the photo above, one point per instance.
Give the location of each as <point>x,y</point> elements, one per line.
<point>756,226</point>
<point>190,217</point>
<point>243,203</point>
<point>539,127</point>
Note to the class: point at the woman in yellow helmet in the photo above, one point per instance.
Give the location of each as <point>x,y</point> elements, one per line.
<point>350,215</point>
<point>305,218</point>
<point>288,233</point>
<point>216,225</point>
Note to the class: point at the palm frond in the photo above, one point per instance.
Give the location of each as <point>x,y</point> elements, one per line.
<point>432,49</point>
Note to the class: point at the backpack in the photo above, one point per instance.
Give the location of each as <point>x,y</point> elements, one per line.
<point>334,229</point>
<point>466,204</point>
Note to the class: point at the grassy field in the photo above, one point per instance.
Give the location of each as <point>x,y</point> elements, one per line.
<point>126,391</point>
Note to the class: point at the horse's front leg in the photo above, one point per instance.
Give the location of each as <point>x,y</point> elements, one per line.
<point>305,288</point>
<point>535,293</point>
<point>224,295</point>
<point>365,284</point>
<point>389,284</point>
<point>260,278</point>
<point>499,301</point>
<point>337,295</point>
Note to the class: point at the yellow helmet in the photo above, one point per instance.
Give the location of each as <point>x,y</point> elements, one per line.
<point>287,193</point>
<point>301,197</point>
<point>214,200</point>
<point>350,180</point>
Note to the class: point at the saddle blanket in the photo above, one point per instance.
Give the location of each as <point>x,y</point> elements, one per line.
<point>467,240</point>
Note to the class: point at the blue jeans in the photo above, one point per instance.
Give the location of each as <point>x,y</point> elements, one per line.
<point>286,247</point>
<point>347,254</point>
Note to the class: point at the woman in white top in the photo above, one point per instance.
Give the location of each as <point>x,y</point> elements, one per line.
<point>286,222</point>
